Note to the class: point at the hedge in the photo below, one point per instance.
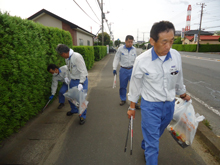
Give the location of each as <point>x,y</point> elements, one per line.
<point>187,48</point>
<point>26,48</point>
<point>209,48</point>
<point>202,47</point>
<point>100,52</point>
<point>88,54</point>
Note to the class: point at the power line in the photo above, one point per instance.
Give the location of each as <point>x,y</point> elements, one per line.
<point>92,10</point>
<point>86,13</point>
<point>211,27</point>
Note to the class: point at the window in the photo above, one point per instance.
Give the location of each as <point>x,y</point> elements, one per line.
<point>88,42</point>
<point>80,41</point>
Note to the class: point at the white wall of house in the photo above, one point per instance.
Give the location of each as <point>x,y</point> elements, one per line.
<point>186,41</point>
<point>84,39</point>
<point>49,21</point>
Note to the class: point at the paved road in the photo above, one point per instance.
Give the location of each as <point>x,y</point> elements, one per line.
<point>101,140</point>
<point>202,79</point>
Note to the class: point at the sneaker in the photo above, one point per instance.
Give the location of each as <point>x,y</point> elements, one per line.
<point>61,105</point>
<point>82,120</point>
<point>69,113</point>
<point>137,106</point>
<point>122,103</point>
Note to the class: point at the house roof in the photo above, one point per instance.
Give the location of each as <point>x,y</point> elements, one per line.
<point>204,38</point>
<point>192,32</point>
<point>178,33</point>
<point>44,11</point>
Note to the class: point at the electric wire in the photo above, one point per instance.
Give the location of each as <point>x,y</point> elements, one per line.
<point>92,10</point>
<point>86,13</point>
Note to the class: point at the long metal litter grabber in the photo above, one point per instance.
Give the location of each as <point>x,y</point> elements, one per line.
<point>127,135</point>
<point>45,106</point>
<point>131,135</point>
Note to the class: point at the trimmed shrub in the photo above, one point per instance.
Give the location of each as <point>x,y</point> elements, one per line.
<point>88,54</point>
<point>26,48</point>
<point>187,48</point>
<point>209,48</point>
<point>100,52</point>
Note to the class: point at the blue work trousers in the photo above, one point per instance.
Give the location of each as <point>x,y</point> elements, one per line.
<point>124,77</point>
<point>63,90</point>
<point>74,83</point>
<point>155,118</point>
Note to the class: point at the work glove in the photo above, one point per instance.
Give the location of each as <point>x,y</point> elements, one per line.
<point>51,97</point>
<point>67,80</point>
<point>80,87</point>
<point>114,72</point>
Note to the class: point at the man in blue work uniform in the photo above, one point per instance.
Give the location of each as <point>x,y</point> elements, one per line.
<point>77,74</point>
<point>157,76</point>
<point>126,55</point>
<point>59,74</point>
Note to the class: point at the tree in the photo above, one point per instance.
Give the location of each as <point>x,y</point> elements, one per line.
<point>111,43</point>
<point>217,32</point>
<point>106,38</point>
<point>117,43</point>
<point>177,41</point>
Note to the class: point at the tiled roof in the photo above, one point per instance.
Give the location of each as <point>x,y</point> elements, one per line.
<point>204,38</point>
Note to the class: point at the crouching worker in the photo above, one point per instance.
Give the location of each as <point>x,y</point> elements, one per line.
<point>77,74</point>
<point>59,74</point>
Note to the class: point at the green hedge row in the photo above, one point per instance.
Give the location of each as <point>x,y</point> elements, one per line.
<point>209,48</point>
<point>187,48</point>
<point>100,52</point>
<point>88,54</point>
<point>26,48</point>
<point>202,47</point>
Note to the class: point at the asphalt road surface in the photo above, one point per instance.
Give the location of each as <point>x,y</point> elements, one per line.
<point>201,73</point>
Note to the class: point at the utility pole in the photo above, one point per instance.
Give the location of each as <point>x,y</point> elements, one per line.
<point>137,35</point>
<point>103,17</point>
<point>203,5</point>
<point>143,35</point>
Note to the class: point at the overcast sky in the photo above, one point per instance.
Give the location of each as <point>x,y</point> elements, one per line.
<point>134,17</point>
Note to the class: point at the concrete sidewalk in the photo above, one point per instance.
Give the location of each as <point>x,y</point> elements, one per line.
<point>54,138</point>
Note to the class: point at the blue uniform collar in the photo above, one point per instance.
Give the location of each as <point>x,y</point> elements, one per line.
<point>155,56</point>
<point>59,70</point>
<point>70,57</point>
<point>128,48</point>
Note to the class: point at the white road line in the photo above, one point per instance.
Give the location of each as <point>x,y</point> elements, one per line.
<point>206,105</point>
<point>201,58</point>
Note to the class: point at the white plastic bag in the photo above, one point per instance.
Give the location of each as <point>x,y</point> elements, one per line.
<point>78,98</point>
<point>187,122</point>
<point>180,105</point>
<point>114,82</point>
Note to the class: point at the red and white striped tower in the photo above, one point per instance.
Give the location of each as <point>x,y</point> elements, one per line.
<point>188,18</point>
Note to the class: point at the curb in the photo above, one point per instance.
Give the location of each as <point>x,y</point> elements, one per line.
<point>209,139</point>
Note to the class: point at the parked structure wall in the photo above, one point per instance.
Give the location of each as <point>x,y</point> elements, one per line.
<point>72,32</point>
<point>84,39</point>
<point>49,21</point>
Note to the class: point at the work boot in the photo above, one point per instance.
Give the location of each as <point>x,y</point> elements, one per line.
<point>69,113</point>
<point>137,106</point>
<point>82,120</point>
<point>122,103</point>
<point>61,105</point>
